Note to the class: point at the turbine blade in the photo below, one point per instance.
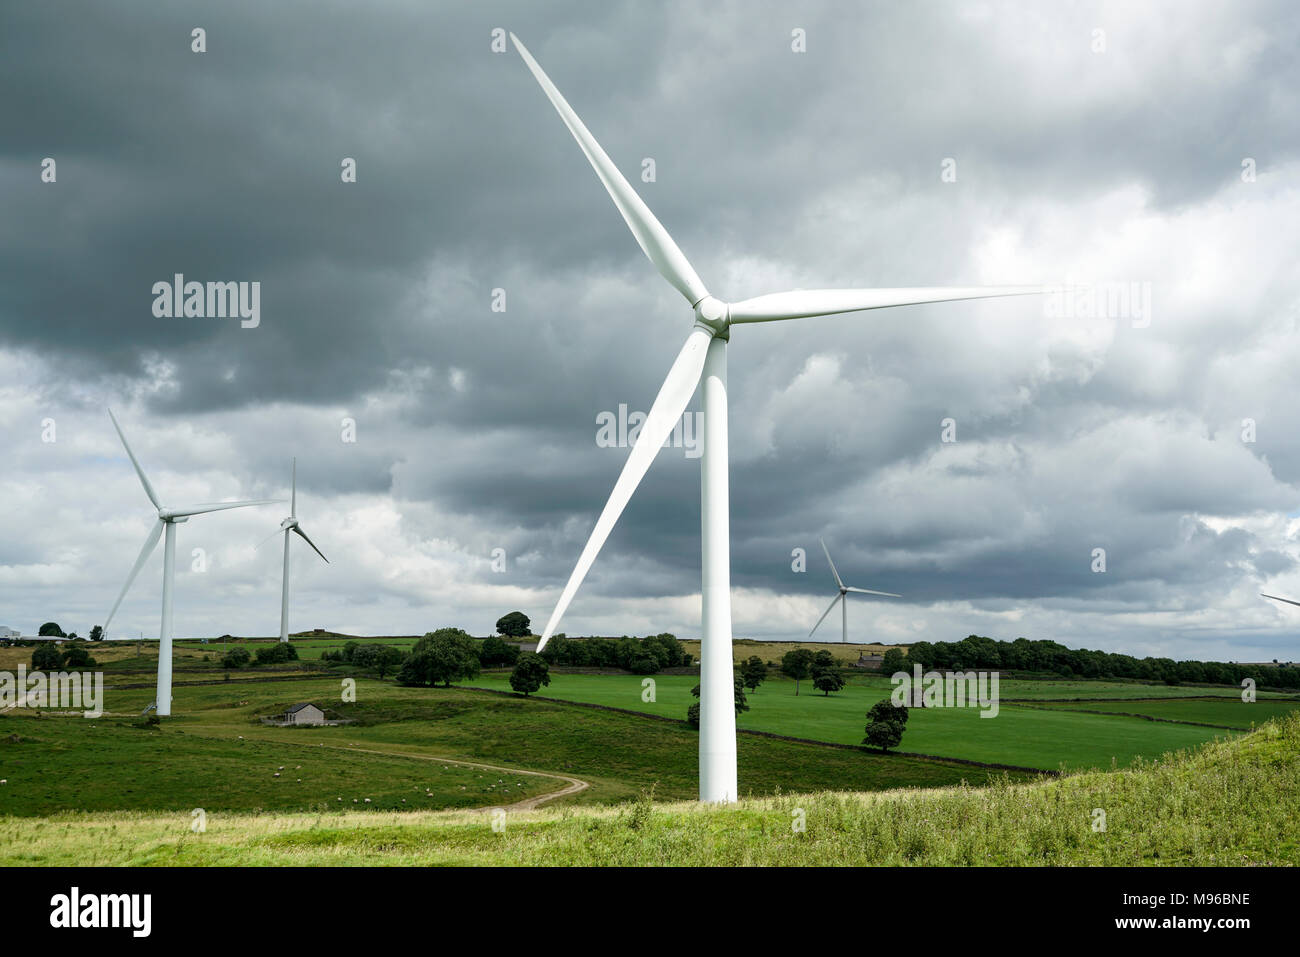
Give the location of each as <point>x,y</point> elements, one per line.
<point>148,489</point>
<point>299,530</point>
<point>650,234</point>
<point>824,614</point>
<point>1275,598</point>
<point>150,544</point>
<point>827,302</point>
<point>838,583</point>
<point>219,506</point>
<point>293,495</point>
<point>868,591</point>
<point>668,406</point>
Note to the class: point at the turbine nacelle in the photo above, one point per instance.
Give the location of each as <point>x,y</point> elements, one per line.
<point>715,315</point>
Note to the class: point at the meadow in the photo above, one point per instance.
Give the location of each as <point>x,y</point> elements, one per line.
<point>1020,735</point>
<point>214,753</point>
<point>1225,803</point>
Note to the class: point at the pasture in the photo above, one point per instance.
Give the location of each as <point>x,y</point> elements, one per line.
<point>1226,803</point>
<point>1025,736</point>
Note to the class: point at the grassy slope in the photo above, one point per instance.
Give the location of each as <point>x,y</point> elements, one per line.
<point>1230,802</point>
<point>1019,735</point>
<point>198,759</point>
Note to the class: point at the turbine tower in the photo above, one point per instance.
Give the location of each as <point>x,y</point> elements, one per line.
<point>290,524</point>
<point>168,519</point>
<point>702,361</point>
<point>842,598</point>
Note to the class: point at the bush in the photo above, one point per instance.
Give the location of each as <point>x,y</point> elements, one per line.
<point>277,654</point>
<point>236,658</point>
<point>78,657</point>
<point>46,657</point>
<point>51,629</point>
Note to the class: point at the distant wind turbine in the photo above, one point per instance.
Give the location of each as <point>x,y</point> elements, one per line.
<point>168,518</point>
<point>842,598</point>
<point>290,524</point>
<point>702,362</point>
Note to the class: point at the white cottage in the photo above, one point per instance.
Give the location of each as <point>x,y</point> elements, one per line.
<point>305,713</point>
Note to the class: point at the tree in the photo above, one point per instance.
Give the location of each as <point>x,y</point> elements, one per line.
<point>741,702</point>
<point>97,633</point>
<point>826,673</point>
<point>530,674</point>
<point>388,659</point>
<point>886,722</point>
<point>46,657</point>
<point>894,662</point>
<point>797,664</point>
<point>753,672</point>
<point>828,680</point>
<point>441,657</point>
<point>51,629</point>
<point>515,625</point>
<point>494,652</point>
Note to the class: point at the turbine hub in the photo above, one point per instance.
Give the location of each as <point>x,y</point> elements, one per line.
<point>713,313</point>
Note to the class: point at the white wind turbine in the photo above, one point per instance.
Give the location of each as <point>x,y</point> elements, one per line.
<point>290,524</point>
<point>168,518</point>
<point>842,598</point>
<point>703,360</point>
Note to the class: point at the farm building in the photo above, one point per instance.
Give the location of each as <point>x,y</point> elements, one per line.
<point>870,662</point>
<point>305,713</point>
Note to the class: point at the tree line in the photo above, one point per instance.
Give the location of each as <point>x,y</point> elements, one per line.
<point>976,652</point>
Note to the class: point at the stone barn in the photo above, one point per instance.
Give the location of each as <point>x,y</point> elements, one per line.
<point>305,713</point>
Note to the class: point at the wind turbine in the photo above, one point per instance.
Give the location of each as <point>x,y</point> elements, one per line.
<point>290,524</point>
<point>843,599</point>
<point>168,519</point>
<point>703,361</point>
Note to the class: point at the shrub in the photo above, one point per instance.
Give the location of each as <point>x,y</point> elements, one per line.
<point>46,657</point>
<point>236,658</point>
<point>277,654</point>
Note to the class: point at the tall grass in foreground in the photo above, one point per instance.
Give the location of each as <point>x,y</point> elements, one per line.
<point>1226,803</point>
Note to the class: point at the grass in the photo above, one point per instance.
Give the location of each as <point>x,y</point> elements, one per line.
<point>214,753</point>
<point>1020,735</point>
<point>1224,712</point>
<point>1225,803</point>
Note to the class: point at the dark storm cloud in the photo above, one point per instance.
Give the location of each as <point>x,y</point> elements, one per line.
<point>774,169</point>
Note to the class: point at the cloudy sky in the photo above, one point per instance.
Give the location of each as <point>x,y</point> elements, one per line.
<point>1092,143</point>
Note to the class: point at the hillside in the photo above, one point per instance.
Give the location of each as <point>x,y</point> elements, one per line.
<point>1226,803</point>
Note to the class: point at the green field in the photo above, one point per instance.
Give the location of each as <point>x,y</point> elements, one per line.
<point>1227,803</point>
<point>1020,735</point>
<point>214,753</point>
<point>1224,712</point>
